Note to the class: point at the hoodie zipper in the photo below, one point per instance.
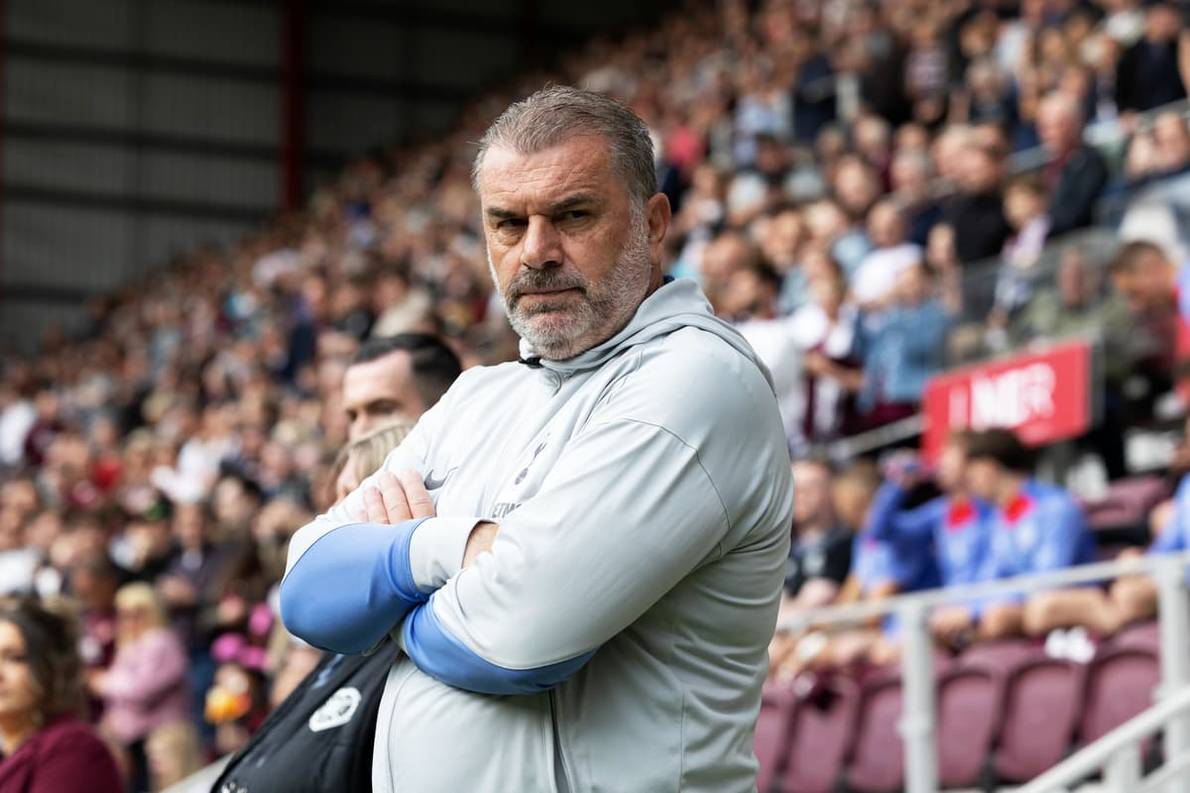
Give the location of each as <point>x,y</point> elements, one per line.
<point>559,755</point>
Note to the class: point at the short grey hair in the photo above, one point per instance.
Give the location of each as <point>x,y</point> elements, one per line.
<point>550,115</point>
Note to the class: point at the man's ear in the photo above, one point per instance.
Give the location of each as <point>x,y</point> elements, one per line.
<point>658,214</point>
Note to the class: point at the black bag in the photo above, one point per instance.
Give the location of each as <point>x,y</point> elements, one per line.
<point>320,738</point>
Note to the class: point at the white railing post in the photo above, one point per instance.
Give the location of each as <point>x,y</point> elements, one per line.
<point>1122,772</point>
<point>918,695</point>
<point>1175,649</point>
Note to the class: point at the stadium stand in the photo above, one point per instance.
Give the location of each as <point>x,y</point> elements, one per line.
<point>888,199</point>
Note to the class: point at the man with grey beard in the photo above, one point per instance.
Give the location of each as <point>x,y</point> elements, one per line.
<point>579,554</point>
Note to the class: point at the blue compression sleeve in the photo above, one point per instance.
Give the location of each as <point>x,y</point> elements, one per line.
<point>351,586</point>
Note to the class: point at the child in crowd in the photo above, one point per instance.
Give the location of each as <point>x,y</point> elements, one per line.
<point>1025,203</point>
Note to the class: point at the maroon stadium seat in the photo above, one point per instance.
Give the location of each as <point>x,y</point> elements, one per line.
<point>1127,501</point>
<point>970,698</point>
<point>1003,654</point>
<point>777,703</point>
<point>820,738</point>
<point>1143,635</point>
<point>1042,704</point>
<point>1120,684</point>
<point>877,756</point>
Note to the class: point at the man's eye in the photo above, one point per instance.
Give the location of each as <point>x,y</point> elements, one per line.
<point>510,224</point>
<point>575,214</point>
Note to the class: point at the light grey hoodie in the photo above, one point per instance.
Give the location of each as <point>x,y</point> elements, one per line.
<point>621,620</point>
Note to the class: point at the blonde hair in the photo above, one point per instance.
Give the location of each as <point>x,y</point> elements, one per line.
<point>142,598</point>
<point>176,741</point>
<point>367,453</point>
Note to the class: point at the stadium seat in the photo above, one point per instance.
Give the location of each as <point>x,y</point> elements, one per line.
<point>1042,704</point>
<point>1127,503</point>
<point>1120,684</point>
<point>1005,654</point>
<point>771,744</point>
<point>820,737</point>
<point>876,763</point>
<point>970,698</point>
<point>1143,635</point>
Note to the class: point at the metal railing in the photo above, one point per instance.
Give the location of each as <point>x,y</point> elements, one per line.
<point>917,676</point>
<point>1117,756</point>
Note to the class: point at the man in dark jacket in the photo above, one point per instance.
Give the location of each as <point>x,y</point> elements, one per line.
<point>1076,172</point>
<point>976,211</point>
<point>1149,73</point>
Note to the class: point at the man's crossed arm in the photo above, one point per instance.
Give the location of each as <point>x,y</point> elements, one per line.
<point>321,596</point>
<point>625,514</point>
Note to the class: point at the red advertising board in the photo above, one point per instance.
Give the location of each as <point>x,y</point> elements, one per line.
<point>1044,396</point>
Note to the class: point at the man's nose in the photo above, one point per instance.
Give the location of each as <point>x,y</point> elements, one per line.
<point>542,245</point>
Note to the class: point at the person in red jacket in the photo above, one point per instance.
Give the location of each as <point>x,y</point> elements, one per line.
<point>46,748</point>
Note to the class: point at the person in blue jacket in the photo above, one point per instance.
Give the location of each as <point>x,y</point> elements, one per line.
<point>1036,527</point>
<point>954,527</point>
<point>879,569</point>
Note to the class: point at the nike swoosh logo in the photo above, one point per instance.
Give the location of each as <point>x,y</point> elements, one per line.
<point>434,484</point>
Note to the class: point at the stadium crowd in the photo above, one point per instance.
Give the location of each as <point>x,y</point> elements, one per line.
<point>844,190</point>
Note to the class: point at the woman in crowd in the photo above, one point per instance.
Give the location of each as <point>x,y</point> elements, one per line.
<point>145,687</point>
<point>46,747</point>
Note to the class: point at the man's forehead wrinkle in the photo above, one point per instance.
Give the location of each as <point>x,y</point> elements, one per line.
<point>510,180</point>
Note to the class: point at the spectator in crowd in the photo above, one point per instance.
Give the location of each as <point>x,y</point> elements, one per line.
<point>953,529</point>
<point>976,211</point>
<point>826,331</point>
<point>193,587</point>
<point>1025,209</point>
<point>725,256</point>
<point>1076,173</point>
<point>820,554</point>
<point>1159,307</point>
<point>93,583</point>
<point>17,417</point>
<point>18,561</point>
<point>1134,598</point>
<point>146,548</point>
<point>912,189</point>
<point>396,377</point>
<point>1171,136</point>
<point>903,346</point>
<point>874,281</point>
<point>869,575</point>
<point>1078,306</point>
<point>46,747</point>
<point>145,687</point>
<point>752,293</point>
<point>237,702</point>
<point>1153,71</point>
<point>1160,153</point>
<point>174,754</point>
<point>1035,528</point>
<point>879,569</point>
